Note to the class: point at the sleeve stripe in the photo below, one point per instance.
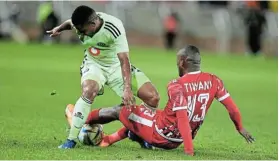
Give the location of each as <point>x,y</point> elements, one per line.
<point>140,120</point>
<point>113,26</point>
<point>111,32</point>
<point>223,97</point>
<point>179,108</point>
<point>112,29</point>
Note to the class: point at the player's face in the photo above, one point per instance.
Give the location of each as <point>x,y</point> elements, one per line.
<point>87,29</point>
<point>180,66</point>
<point>180,63</point>
<point>90,28</point>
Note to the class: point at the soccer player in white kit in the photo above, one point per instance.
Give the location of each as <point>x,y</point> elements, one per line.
<point>106,62</point>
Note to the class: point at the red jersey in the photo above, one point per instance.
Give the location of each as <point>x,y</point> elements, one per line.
<point>190,98</point>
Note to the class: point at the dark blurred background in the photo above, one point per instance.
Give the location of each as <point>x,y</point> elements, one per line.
<point>244,27</point>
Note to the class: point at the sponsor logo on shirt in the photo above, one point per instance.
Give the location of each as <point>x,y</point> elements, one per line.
<point>101,44</point>
<point>94,52</point>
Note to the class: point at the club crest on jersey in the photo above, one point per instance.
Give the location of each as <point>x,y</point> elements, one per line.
<point>94,52</point>
<point>102,44</point>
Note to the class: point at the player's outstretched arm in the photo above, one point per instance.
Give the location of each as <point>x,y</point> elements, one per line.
<point>224,97</point>
<point>179,106</point>
<point>236,118</point>
<point>128,97</point>
<point>185,131</point>
<point>122,50</point>
<point>67,25</point>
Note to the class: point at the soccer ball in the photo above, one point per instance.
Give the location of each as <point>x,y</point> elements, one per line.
<point>91,134</point>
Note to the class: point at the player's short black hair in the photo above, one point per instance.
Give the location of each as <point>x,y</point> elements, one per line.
<point>192,56</point>
<point>81,15</point>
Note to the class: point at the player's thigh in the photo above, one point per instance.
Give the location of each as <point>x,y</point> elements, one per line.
<point>149,94</point>
<point>115,80</point>
<point>91,71</point>
<point>116,83</point>
<point>143,88</point>
<point>139,120</point>
<point>139,80</point>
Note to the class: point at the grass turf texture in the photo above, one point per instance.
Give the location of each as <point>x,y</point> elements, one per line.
<point>33,124</point>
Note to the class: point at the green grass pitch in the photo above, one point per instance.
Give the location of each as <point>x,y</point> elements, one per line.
<point>32,122</point>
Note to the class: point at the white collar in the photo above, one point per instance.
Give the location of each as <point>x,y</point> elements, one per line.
<point>197,72</point>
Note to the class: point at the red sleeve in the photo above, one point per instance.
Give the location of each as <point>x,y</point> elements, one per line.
<point>224,97</point>
<point>179,106</point>
<point>185,131</point>
<point>221,93</point>
<point>233,111</point>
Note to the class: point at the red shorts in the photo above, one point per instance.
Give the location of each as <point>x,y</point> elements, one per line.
<point>140,121</point>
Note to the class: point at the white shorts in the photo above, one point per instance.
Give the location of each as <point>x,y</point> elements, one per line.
<point>112,77</point>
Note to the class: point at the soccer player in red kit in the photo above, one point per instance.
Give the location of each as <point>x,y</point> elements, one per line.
<point>190,97</point>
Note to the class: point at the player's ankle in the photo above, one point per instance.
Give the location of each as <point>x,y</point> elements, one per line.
<point>105,142</point>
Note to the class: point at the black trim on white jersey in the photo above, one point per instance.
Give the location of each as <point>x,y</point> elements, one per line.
<point>109,23</point>
<point>112,29</point>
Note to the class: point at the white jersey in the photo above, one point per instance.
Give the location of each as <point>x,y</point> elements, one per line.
<point>110,40</point>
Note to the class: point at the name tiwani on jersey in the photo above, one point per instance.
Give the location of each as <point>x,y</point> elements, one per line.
<point>190,97</point>
<point>198,86</point>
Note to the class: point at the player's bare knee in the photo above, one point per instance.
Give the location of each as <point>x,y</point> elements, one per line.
<point>154,99</point>
<point>149,95</point>
<point>90,90</point>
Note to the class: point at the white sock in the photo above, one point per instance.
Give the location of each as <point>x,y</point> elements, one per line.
<point>80,114</point>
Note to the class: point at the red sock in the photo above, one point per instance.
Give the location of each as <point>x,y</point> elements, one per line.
<point>93,117</point>
<point>118,135</point>
<point>115,137</point>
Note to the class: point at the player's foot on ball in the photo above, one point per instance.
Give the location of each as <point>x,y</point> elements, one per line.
<point>142,143</point>
<point>69,144</point>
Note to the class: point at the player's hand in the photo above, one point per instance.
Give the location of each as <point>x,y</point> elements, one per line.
<point>54,32</point>
<point>128,97</point>
<point>246,135</point>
